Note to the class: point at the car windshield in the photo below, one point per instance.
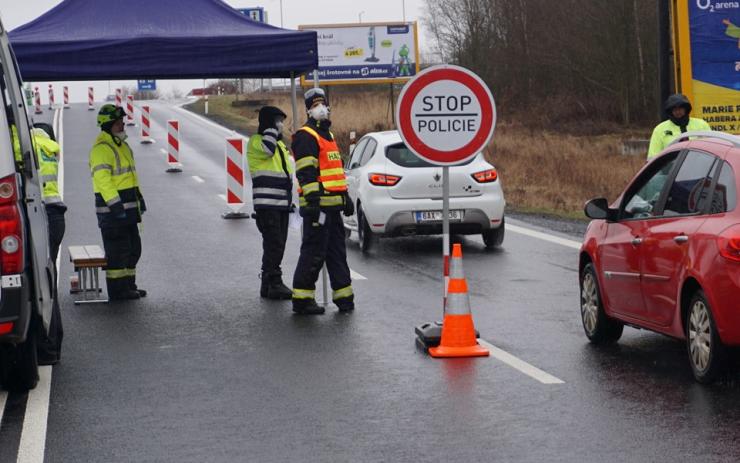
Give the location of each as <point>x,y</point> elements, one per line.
<point>404,157</point>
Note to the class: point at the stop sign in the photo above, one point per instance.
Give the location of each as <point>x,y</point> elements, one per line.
<point>446,115</point>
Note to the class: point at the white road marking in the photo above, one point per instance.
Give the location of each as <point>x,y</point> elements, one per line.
<point>33,437</point>
<point>222,197</point>
<point>521,365</point>
<point>3,399</point>
<point>163,151</point>
<point>198,179</point>
<point>356,276</point>
<point>203,119</point>
<point>59,131</point>
<point>543,236</point>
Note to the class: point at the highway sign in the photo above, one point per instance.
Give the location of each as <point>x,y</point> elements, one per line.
<point>255,14</point>
<point>446,115</point>
<point>146,85</point>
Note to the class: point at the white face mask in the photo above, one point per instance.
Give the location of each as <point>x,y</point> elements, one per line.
<point>121,135</point>
<point>320,112</point>
<point>279,126</point>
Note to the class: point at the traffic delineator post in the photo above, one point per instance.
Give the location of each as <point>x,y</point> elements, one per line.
<point>130,110</point>
<point>66,97</point>
<point>51,97</point>
<point>90,99</point>
<point>173,146</point>
<point>145,124</point>
<point>458,330</point>
<point>236,153</point>
<point>119,97</point>
<point>37,97</point>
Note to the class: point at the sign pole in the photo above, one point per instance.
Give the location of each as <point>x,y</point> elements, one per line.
<point>324,274</point>
<point>445,231</point>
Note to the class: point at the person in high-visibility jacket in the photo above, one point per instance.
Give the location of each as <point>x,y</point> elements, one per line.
<point>47,151</point>
<point>323,197</point>
<point>272,187</point>
<point>119,203</point>
<point>677,108</point>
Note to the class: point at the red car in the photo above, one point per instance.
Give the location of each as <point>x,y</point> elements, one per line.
<point>665,256</point>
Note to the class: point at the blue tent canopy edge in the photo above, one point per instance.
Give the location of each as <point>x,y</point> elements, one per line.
<point>163,39</point>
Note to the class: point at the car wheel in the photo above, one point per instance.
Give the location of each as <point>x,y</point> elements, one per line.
<point>363,231</point>
<point>599,328</point>
<point>19,367</point>
<point>494,237</point>
<point>706,352</point>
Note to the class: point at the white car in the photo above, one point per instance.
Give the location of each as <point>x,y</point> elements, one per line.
<point>396,193</point>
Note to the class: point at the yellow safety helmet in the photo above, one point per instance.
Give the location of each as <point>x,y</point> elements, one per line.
<point>109,113</point>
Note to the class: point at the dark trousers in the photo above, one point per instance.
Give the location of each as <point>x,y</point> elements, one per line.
<point>55,217</point>
<point>324,243</point>
<point>122,251</point>
<point>273,225</point>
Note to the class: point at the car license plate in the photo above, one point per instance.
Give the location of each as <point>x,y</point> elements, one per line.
<point>436,216</point>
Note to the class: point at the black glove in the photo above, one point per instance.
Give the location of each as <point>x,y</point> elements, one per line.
<point>292,208</point>
<point>142,205</point>
<point>118,211</point>
<point>311,211</point>
<point>349,208</point>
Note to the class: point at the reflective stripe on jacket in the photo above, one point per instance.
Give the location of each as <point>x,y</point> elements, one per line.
<point>47,151</point>
<point>331,183</point>
<point>113,171</point>
<point>272,179</point>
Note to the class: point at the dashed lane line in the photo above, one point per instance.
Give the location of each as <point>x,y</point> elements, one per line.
<point>518,364</point>
<point>543,236</point>
<point>163,151</point>
<point>198,179</point>
<point>33,437</point>
<point>3,399</point>
<point>356,276</point>
<point>222,196</point>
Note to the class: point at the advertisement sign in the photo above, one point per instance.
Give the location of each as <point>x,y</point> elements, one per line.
<point>707,40</point>
<point>366,53</point>
<point>146,85</point>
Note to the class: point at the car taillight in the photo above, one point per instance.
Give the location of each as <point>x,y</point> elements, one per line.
<point>384,179</point>
<point>11,228</point>
<point>729,243</point>
<point>486,176</point>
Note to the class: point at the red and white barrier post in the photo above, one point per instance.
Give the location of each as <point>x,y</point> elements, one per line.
<point>145,124</point>
<point>173,146</point>
<point>236,153</point>
<point>51,97</point>
<point>37,95</point>
<point>66,97</point>
<point>90,99</point>
<point>130,110</point>
<point>119,98</point>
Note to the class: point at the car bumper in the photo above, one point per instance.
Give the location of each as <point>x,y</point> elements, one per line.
<point>14,308</point>
<point>396,217</point>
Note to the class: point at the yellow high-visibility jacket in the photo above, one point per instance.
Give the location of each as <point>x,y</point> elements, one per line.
<point>665,132</point>
<point>47,151</point>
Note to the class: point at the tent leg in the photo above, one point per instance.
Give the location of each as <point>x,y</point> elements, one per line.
<point>293,101</point>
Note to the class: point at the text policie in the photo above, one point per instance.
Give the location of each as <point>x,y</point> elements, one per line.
<point>450,111</point>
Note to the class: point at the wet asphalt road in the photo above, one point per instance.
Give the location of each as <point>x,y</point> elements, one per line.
<point>204,370</point>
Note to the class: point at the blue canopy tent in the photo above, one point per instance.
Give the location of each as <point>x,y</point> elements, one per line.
<point>162,39</point>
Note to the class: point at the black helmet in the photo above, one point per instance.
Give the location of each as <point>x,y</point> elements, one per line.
<point>267,117</point>
<point>676,101</point>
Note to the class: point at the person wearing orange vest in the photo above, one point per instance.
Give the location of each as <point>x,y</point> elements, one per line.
<point>323,197</point>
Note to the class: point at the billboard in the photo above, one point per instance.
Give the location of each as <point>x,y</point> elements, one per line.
<point>365,53</point>
<point>707,44</point>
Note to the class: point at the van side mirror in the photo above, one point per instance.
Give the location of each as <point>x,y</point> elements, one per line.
<point>598,209</point>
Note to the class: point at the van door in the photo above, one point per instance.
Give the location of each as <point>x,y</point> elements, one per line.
<point>43,271</point>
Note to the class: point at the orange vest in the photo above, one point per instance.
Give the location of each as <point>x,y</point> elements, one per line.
<point>331,170</point>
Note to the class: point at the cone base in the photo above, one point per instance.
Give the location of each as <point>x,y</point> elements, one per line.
<point>450,352</point>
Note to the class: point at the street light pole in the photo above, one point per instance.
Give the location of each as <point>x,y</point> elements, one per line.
<point>281,13</point>
<point>359,16</point>
<point>403,5</point>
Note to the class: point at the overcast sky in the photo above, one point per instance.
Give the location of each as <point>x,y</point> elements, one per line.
<point>17,12</point>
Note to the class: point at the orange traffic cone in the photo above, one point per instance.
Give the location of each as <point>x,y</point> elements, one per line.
<point>458,332</point>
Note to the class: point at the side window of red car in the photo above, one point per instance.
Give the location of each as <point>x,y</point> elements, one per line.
<point>724,197</point>
<point>642,198</point>
<point>689,191</point>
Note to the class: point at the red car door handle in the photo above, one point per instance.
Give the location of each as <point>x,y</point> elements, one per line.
<point>680,239</point>
<point>636,241</point>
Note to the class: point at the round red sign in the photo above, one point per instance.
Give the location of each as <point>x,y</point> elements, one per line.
<point>446,114</point>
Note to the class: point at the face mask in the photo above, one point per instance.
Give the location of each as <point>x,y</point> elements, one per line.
<point>319,112</point>
<point>279,126</point>
<point>121,135</point>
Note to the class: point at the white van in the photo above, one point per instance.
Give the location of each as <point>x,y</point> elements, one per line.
<point>27,274</point>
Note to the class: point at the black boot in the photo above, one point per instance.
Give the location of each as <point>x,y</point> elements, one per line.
<point>276,289</point>
<point>345,306</point>
<point>132,286</point>
<point>307,307</point>
<point>264,283</point>
<point>119,290</point>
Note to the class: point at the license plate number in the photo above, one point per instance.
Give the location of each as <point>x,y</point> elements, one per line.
<point>436,216</point>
